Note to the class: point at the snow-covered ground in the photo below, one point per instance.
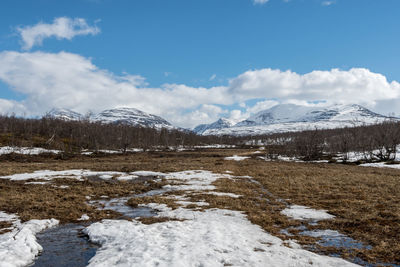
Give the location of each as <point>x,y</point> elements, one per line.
<point>71,174</point>
<point>26,150</point>
<point>381,165</point>
<point>19,247</point>
<point>236,158</point>
<point>298,212</point>
<point>214,237</point>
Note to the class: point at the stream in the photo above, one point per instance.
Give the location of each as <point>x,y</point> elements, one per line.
<point>66,246</point>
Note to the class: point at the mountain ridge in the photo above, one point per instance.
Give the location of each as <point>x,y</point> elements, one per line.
<point>291,117</point>
<point>123,115</point>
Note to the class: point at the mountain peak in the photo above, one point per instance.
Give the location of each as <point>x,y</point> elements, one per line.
<point>120,115</point>
<point>219,124</point>
<point>64,114</point>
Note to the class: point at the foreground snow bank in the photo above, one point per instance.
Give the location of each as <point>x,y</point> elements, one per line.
<point>298,212</point>
<point>214,237</point>
<point>19,247</point>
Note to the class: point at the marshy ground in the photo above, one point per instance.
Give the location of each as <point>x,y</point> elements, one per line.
<point>365,201</point>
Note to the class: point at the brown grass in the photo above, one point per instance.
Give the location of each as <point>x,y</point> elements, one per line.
<point>170,202</point>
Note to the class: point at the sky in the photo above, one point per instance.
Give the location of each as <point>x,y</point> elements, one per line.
<point>194,61</point>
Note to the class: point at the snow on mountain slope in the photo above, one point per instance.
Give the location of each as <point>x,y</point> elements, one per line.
<point>294,113</point>
<point>64,114</point>
<point>219,124</point>
<point>290,118</point>
<point>130,116</point>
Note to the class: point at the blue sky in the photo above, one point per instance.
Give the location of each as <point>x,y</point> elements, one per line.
<point>183,47</point>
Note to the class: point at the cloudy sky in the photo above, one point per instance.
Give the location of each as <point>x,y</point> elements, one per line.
<point>193,61</point>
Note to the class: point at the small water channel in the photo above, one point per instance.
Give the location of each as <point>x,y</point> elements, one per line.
<point>66,246</point>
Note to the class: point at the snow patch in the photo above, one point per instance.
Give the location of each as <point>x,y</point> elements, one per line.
<point>71,174</point>
<point>19,247</point>
<point>381,165</point>
<point>26,150</point>
<point>84,217</point>
<point>305,213</point>
<point>236,158</point>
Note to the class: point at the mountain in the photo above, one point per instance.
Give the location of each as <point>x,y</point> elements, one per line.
<point>130,116</point>
<point>219,124</point>
<point>290,117</point>
<point>64,114</point>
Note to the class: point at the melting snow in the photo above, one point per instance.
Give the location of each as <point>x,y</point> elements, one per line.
<point>305,213</point>
<point>214,237</point>
<point>26,150</point>
<point>72,174</point>
<point>19,247</point>
<point>381,165</point>
<point>84,217</point>
<point>236,158</point>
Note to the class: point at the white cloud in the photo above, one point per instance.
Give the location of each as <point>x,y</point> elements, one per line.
<point>356,85</point>
<point>260,2</point>
<point>262,105</point>
<point>69,80</point>
<point>212,78</point>
<point>61,28</point>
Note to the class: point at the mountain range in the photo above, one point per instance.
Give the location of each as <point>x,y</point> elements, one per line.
<point>291,117</point>
<point>280,118</point>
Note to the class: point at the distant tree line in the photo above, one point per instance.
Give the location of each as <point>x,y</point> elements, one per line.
<point>74,136</point>
<point>378,141</point>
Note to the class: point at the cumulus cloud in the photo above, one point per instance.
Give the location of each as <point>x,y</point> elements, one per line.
<point>72,81</point>
<point>357,85</point>
<point>61,28</point>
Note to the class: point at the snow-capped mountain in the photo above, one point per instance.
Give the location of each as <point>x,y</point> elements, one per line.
<point>130,116</point>
<point>64,114</point>
<point>219,124</point>
<point>290,117</point>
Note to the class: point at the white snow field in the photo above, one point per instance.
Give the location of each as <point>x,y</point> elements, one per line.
<point>19,247</point>
<point>298,212</point>
<point>211,238</point>
<point>214,237</point>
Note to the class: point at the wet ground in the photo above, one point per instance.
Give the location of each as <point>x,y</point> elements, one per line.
<point>65,246</point>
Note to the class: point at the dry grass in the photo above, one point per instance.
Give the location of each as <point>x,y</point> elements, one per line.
<point>170,202</point>
<point>33,201</point>
<point>365,201</point>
